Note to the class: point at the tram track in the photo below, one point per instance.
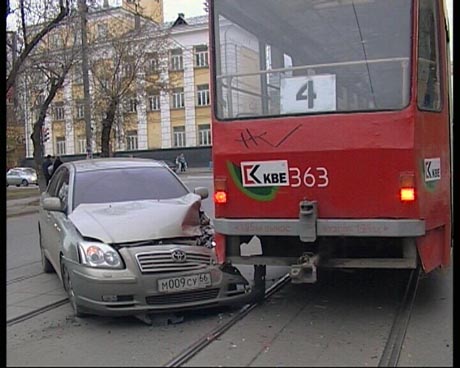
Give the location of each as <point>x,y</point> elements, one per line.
<point>36,312</point>
<point>392,350</point>
<point>211,336</point>
<point>23,278</point>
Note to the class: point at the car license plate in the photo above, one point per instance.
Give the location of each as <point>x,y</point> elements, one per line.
<point>174,284</point>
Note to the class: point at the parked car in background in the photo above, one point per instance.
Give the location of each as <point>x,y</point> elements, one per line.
<point>21,176</point>
<point>126,237</point>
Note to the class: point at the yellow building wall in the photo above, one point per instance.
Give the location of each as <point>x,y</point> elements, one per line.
<point>130,121</point>
<point>153,130</point>
<point>201,76</point>
<point>203,115</point>
<point>149,8</point>
<point>177,117</point>
<point>58,129</point>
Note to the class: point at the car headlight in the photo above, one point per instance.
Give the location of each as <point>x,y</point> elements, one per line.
<point>99,255</point>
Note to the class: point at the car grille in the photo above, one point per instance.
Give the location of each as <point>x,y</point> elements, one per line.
<point>186,297</point>
<point>162,261</point>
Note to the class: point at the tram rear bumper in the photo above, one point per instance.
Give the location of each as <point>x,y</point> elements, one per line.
<point>323,227</point>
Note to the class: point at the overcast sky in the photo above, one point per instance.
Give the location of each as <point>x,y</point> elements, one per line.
<point>190,8</point>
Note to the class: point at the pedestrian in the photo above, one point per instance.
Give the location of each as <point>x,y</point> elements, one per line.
<point>45,167</point>
<point>183,162</point>
<point>56,164</point>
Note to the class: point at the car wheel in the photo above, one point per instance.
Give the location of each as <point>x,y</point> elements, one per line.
<point>67,282</point>
<point>46,264</point>
<point>24,182</point>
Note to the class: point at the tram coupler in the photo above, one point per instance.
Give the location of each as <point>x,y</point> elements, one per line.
<point>308,213</point>
<point>305,271</point>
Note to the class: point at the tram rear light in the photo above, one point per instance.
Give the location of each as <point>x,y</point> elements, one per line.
<point>220,197</point>
<point>220,190</point>
<point>407,194</point>
<point>407,187</point>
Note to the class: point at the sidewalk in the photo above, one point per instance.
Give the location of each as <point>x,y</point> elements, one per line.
<point>22,206</point>
<point>29,205</point>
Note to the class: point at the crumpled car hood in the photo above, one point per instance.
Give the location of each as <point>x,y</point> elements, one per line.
<point>131,221</point>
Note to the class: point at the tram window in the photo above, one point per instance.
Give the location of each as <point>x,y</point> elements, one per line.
<point>429,85</point>
<point>276,57</point>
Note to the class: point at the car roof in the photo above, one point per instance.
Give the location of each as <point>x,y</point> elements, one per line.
<point>22,168</point>
<point>112,163</point>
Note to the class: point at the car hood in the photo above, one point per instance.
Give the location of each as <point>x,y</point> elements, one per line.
<point>131,221</point>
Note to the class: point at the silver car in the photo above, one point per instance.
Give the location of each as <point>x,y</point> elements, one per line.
<point>21,176</point>
<point>126,237</point>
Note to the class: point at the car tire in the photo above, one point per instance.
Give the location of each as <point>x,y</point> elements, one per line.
<point>24,182</point>
<point>46,264</point>
<point>67,283</point>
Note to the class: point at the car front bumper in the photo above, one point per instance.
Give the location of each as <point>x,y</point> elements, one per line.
<point>129,291</point>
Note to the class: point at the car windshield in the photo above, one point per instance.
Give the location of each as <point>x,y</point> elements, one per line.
<point>127,184</point>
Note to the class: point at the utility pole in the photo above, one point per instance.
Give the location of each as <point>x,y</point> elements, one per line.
<point>83,9</point>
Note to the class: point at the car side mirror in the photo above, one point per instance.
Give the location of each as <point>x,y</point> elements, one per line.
<point>202,192</point>
<point>52,204</point>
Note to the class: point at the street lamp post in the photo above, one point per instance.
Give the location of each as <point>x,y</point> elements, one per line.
<point>83,8</point>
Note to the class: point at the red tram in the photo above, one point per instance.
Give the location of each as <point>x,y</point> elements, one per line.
<point>331,132</point>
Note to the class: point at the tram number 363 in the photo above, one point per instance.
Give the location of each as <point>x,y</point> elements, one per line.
<point>310,177</point>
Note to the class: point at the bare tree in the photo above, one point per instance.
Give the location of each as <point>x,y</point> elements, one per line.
<point>46,71</point>
<point>118,65</point>
<point>34,20</point>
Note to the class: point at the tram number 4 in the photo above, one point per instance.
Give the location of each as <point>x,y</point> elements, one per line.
<point>306,92</point>
<point>312,176</point>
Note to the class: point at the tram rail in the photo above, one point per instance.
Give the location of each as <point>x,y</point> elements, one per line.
<point>390,355</point>
<point>210,337</point>
<point>36,312</point>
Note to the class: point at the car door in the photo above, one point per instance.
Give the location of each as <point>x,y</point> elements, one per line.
<point>13,177</point>
<point>55,220</point>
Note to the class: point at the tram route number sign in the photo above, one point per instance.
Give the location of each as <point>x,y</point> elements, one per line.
<point>308,94</point>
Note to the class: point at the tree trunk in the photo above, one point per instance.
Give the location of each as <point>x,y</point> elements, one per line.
<point>107,124</point>
<point>37,128</point>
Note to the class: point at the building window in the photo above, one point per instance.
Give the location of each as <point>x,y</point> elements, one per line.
<point>39,100</point>
<point>178,98</point>
<point>80,111</point>
<point>203,95</point>
<point>204,135</point>
<point>60,146</point>
<point>154,103</point>
<point>78,74</point>
<point>55,40</point>
<point>131,140</point>
<point>152,65</point>
<point>81,144</point>
<point>176,59</point>
<point>179,136</point>
<point>131,105</point>
<point>201,56</point>
<point>128,70</point>
<point>102,31</point>
<point>104,84</point>
<point>59,113</point>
